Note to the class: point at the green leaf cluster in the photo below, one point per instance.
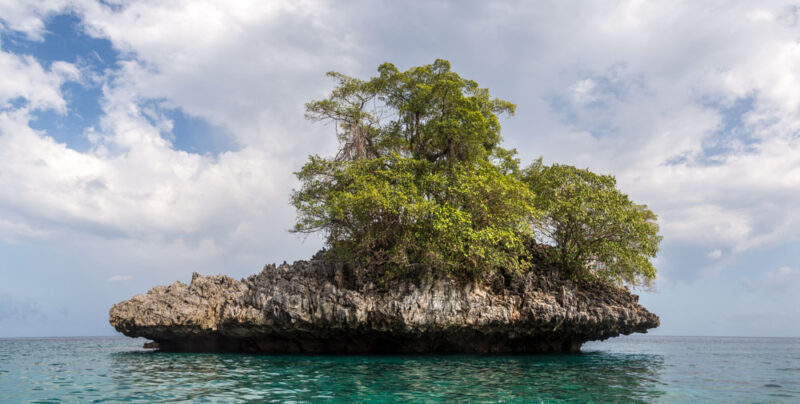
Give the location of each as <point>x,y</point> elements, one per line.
<point>402,217</point>
<point>421,187</point>
<point>596,230</point>
<point>427,113</point>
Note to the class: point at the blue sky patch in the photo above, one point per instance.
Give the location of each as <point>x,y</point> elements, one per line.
<point>65,40</point>
<point>732,132</point>
<point>83,111</point>
<point>196,135</point>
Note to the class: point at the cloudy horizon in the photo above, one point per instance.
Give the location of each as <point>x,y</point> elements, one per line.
<point>142,141</point>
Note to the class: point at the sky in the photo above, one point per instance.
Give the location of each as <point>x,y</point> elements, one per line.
<point>141,141</point>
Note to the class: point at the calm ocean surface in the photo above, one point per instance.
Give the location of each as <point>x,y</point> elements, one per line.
<point>628,369</point>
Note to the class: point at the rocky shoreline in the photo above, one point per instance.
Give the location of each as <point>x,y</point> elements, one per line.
<point>311,307</point>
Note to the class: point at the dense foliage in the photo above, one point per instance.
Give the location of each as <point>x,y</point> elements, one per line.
<point>403,216</point>
<point>420,187</point>
<point>596,230</point>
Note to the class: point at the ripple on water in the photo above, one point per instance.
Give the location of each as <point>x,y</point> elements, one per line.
<point>641,369</point>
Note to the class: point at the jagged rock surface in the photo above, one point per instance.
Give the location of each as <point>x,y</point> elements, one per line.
<point>310,307</point>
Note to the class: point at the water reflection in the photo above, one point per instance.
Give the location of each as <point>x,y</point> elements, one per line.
<point>607,377</point>
<point>644,369</point>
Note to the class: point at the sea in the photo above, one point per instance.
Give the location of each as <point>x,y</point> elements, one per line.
<point>626,369</point>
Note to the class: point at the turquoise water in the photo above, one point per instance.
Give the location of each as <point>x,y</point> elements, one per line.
<point>628,369</point>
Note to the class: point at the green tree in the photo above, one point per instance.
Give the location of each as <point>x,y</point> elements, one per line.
<point>419,186</point>
<point>397,216</point>
<point>440,115</point>
<point>594,229</point>
<point>427,112</point>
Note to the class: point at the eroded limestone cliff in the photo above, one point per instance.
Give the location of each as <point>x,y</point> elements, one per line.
<point>309,306</point>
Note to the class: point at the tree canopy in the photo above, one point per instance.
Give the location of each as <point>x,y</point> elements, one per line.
<point>595,230</point>
<point>421,187</point>
<point>404,217</point>
<point>425,113</point>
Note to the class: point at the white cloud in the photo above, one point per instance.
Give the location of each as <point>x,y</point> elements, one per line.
<point>28,16</point>
<point>120,278</point>
<point>583,92</point>
<point>668,71</point>
<point>784,279</point>
<point>244,67</point>
<point>714,254</point>
<point>634,89</point>
<point>24,78</point>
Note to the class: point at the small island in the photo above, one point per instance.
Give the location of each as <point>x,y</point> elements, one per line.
<point>438,240</point>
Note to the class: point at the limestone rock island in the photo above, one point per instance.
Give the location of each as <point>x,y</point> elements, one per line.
<point>309,306</point>
<point>437,239</point>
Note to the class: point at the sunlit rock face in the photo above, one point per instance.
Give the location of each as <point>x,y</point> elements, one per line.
<point>311,307</point>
